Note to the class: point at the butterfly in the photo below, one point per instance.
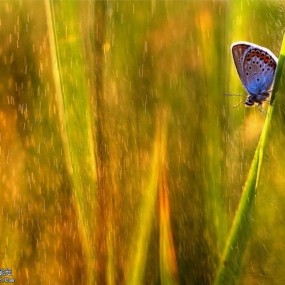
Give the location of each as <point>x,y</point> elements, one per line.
<point>256,67</point>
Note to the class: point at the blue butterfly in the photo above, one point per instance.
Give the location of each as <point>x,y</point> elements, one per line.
<point>256,67</point>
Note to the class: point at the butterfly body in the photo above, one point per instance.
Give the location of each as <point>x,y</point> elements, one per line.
<point>256,67</point>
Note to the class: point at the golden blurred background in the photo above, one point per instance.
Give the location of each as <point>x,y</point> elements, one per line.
<point>121,160</point>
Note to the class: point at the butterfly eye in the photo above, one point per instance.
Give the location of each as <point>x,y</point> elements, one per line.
<point>249,102</point>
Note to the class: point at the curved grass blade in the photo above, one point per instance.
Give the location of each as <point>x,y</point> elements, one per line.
<point>232,256</point>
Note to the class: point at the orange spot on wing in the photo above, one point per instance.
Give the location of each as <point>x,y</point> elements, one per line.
<point>267,58</point>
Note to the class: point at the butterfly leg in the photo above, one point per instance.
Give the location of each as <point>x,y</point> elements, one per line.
<point>236,105</point>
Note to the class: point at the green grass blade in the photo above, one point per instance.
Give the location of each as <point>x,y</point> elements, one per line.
<point>278,71</point>
<point>73,106</point>
<point>232,257</point>
<point>141,236</point>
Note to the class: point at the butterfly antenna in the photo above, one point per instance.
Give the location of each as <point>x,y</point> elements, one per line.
<point>261,110</point>
<point>240,95</point>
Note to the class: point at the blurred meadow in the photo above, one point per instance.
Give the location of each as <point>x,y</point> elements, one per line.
<point>121,160</point>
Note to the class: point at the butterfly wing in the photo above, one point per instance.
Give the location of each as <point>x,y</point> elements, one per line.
<point>255,65</point>
<point>238,52</point>
<point>259,68</point>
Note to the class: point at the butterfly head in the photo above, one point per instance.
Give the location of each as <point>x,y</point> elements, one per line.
<point>258,99</point>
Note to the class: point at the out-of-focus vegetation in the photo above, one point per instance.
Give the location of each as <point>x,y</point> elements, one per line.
<point>121,162</point>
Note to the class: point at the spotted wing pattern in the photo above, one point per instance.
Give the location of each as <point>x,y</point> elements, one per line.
<point>256,67</point>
